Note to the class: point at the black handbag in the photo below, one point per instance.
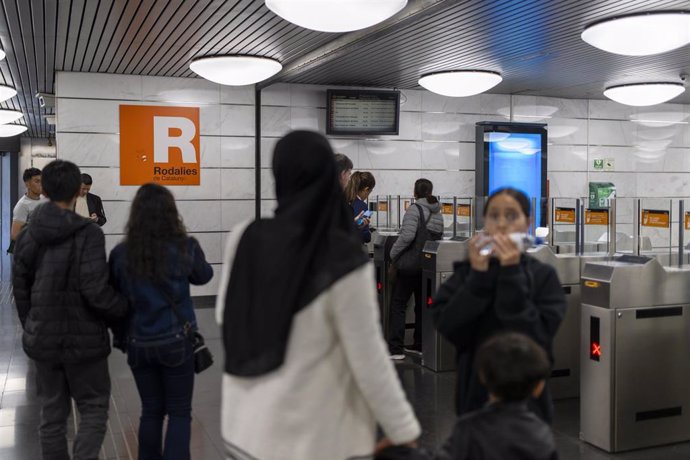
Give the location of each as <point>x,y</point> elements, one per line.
<point>203,358</point>
<point>409,261</point>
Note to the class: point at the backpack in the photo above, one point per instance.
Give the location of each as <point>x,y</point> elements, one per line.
<point>409,261</point>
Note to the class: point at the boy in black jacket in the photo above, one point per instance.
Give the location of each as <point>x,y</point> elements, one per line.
<point>514,369</point>
<point>63,298</point>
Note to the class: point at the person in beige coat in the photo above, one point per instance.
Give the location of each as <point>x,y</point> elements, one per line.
<point>307,374</point>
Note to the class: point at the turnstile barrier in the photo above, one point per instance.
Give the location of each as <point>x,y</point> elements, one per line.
<point>633,353</point>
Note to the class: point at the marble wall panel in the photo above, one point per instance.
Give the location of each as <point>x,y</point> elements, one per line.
<point>535,107</point>
<point>237,184</point>
<point>235,212</point>
<point>389,155</point>
<point>170,89</point>
<point>567,158</point>
<point>237,120</point>
<point>201,216</point>
<point>237,152</point>
<point>567,184</point>
<point>310,119</point>
<point>98,86</point>
<point>241,95</point>
<point>89,149</point>
<point>275,121</point>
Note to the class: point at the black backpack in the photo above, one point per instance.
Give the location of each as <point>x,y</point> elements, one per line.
<point>409,261</point>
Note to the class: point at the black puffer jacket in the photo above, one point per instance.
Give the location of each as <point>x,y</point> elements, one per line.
<point>472,306</point>
<point>60,279</point>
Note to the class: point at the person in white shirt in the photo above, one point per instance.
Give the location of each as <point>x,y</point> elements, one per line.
<point>27,203</point>
<point>307,374</point>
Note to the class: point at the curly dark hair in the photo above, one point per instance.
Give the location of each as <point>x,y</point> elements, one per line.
<point>154,225</point>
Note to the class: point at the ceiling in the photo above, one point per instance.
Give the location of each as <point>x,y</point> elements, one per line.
<point>535,44</point>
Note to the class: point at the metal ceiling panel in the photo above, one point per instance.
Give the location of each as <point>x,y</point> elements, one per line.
<point>535,44</point>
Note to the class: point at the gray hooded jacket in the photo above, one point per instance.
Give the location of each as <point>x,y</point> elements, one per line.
<point>410,221</point>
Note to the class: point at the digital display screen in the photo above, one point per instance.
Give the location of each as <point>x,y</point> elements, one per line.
<point>363,112</point>
<point>515,160</point>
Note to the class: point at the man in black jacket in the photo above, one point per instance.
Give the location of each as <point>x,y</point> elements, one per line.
<point>60,279</point>
<point>89,205</point>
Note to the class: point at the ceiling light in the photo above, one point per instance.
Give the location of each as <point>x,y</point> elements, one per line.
<point>335,15</point>
<point>7,92</point>
<point>460,83</point>
<point>640,34</point>
<point>11,130</point>
<point>642,94</point>
<point>235,70</point>
<point>8,116</point>
<point>2,55</point>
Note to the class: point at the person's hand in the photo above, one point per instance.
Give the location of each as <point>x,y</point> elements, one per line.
<point>94,217</point>
<point>506,251</point>
<point>363,223</point>
<point>478,262</point>
<point>385,442</point>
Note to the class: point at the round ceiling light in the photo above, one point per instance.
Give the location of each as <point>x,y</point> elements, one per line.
<point>8,116</point>
<point>643,94</point>
<point>11,130</point>
<point>7,92</point>
<point>460,83</point>
<point>235,70</point>
<point>335,15</point>
<point>640,34</point>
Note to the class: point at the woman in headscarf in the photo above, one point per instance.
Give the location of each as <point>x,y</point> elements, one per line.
<point>307,373</point>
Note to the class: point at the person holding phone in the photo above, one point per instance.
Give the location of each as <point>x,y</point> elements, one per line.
<point>496,291</point>
<point>306,375</point>
<point>357,192</point>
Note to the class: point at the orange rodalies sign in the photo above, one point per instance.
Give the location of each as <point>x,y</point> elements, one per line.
<point>159,144</point>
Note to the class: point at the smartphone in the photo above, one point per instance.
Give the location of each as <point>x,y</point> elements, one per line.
<point>365,215</point>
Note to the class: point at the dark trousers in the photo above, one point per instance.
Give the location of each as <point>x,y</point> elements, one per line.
<point>89,385</point>
<point>403,288</point>
<point>164,374</point>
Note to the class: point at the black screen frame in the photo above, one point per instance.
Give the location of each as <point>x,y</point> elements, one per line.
<point>356,92</point>
<point>482,159</point>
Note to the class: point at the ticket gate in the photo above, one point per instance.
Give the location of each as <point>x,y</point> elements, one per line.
<point>635,337</point>
<point>565,375</point>
<point>437,266</point>
<point>383,242</point>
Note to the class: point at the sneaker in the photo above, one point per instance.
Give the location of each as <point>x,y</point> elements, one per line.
<point>415,349</point>
<point>397,357</point>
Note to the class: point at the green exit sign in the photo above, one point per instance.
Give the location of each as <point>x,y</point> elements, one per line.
<point>599,164</point>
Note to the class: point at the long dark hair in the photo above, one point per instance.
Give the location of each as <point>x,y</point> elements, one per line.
<point>358,182</point>
<point>153,225</point>
<point>423,188</point>
<point>514,193</point>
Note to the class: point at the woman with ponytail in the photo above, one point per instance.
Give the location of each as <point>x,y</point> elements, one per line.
<point>422,221</point>
<point>358,189</point>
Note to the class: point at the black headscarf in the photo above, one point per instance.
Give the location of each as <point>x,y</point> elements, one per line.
<point>282,264</point>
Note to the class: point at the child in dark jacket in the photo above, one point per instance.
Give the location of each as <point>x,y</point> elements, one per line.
<point>514,369</point>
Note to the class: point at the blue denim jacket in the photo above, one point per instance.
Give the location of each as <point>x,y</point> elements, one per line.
<point>151,317</point>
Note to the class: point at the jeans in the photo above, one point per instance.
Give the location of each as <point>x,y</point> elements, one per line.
<point>88,384</point>
<point>164,374</point>
<point>403,288</point>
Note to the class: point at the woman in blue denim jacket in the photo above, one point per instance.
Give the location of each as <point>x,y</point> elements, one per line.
<point>154,266</point>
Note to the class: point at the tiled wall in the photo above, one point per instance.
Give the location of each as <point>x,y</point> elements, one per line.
<point>88,134</point>
<point>436,141</point>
